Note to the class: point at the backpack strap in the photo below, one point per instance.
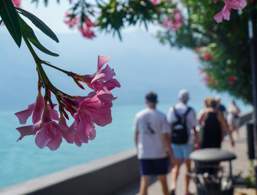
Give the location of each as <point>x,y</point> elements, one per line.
<point>187,112</point>
<point>183,117</point>
<point>179,118</point>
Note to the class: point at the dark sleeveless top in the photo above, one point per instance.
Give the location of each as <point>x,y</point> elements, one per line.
<point>211,135</point>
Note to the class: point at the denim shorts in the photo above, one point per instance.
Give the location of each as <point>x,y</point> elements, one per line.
<point>154,167</point>
<point>182,151</point>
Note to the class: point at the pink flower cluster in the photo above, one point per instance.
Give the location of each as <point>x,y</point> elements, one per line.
<point>155,2</point>
<point>229,5</point>
<point>175,22</point>
<point>16,3</point>
<point>49,127</point>
<point>71,20</point>
<point>85,28</point>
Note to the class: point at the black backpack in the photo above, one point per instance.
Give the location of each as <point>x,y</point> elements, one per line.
<point>179,134</point>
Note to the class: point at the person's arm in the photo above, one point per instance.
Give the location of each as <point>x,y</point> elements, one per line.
<point>201,117</point>
<point>193,122</point>
<point>196,138</point>
<point>136,137</point>
<point>225,128</point>
<point>167,145</point>
<point>136,131</point>
<point>166,136</point>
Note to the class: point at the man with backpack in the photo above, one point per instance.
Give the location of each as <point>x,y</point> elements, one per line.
<point>182,120</point>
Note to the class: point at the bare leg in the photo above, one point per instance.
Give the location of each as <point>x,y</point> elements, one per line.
<point>187,177</point>
<point>144,185</point>
<point>164,184</point>
<point>175,173</point>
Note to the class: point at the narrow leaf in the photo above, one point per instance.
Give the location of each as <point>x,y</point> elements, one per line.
<point>10,18</point>
<point>28,33</point>
<point>39,23</point>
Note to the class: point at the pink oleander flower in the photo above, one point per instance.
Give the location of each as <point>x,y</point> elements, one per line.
<point>86,29</point>
<point>71,20</point>
<point>155,2</point>
<point>103,78</point>
<point>229,5</point>
<point>102,60</point>
<point>16,3</point>
<point>67,133</point>
<point>175,22</point>
<point>37,118</point>
<point>93,109</point>
<point>49,127</point>
<point>49,132</point>
<point>25,131</point>
<point>35,109</point>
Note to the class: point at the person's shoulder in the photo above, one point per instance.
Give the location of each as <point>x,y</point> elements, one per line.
<point>141,113</point>
<point>160,113</point>
<point>171,109</point>
<point>179,105</point>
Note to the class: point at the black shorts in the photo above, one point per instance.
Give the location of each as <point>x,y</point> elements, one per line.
<point>154,166</point>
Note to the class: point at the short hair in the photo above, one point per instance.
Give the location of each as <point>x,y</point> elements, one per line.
<point>151,97</point>
<point>183,95</point>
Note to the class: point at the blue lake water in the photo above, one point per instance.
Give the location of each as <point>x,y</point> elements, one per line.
<point>23,160</point>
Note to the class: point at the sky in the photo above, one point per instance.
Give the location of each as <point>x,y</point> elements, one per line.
<point>140,61</point>
<point>53,14</point>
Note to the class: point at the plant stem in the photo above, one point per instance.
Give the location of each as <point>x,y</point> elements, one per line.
<point>57,68</point>
<point>42,74</point>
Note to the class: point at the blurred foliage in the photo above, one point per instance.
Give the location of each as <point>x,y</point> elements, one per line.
<point>250,179</point>
<point>112,16</point>
<point>227,43</point>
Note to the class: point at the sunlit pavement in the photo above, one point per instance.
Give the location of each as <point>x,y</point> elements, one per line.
<point>239,166</point>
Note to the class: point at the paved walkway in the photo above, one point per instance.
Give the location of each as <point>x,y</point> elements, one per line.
<point>240,165</point>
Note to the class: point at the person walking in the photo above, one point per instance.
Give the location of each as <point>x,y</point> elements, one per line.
<point>152,139</point>
<point>233,117</point>
<point>213,125</point>
<point>182,120</point>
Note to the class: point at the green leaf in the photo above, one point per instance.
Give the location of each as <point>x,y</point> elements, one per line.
<point>10,18</point>
<point>29,34</point>
<point>39,23</point>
